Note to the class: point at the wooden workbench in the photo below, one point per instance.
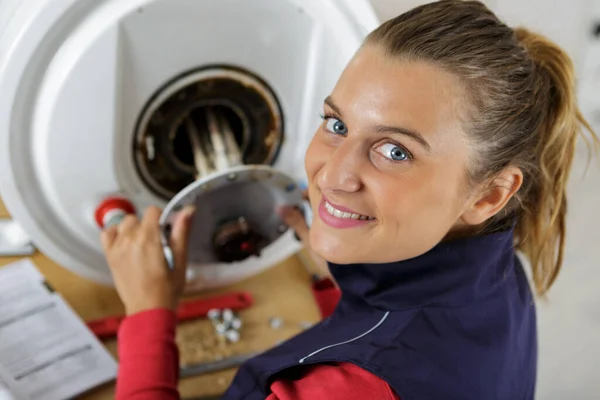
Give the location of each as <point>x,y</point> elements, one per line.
<point>282,291</point>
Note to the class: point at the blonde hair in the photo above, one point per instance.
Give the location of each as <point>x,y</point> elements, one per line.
<point>523,112</point>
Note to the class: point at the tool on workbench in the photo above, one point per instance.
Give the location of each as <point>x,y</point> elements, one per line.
<point>213,366</point>
<point>108,327</point>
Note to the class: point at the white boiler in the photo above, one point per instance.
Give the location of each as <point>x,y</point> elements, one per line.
<point>139,99</point>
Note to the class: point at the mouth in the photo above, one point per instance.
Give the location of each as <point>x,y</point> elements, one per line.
<point>340,217</point>
<point>344,213</point>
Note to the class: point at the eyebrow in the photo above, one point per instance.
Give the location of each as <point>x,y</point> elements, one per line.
<point>331,104</point>
<point>416,136</point>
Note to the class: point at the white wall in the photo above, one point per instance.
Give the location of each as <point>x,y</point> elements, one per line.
<point>569,321</point>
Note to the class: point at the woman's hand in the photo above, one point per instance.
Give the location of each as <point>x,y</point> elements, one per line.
<point>134,254</point>
<point>294,218</point>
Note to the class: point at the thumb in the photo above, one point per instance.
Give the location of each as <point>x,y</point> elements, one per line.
<point>181,233</point>
<point>294,218</point>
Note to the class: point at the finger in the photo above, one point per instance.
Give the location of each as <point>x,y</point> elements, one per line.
<point>295,220</point>
<point>180,234</point>
<point>129,223</point>
<point>108,237</point>
<point>151,218</point>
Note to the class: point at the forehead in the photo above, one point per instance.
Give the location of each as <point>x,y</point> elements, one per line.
<point>378,89</point>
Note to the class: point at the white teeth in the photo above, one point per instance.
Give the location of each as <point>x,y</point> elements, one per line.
<point>346,215</point>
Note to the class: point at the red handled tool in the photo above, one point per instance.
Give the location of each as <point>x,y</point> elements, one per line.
<point>108,327</point>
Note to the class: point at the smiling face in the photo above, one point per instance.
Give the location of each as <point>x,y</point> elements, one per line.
<point>387,168</point>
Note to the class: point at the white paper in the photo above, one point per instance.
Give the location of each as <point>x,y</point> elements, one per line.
<point>46,351</point>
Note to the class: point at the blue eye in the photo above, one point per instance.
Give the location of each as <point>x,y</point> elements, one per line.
<point>393,152</point>
<point>336,126</point>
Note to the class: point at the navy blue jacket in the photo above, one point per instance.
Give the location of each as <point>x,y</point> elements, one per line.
<point>455,323</point>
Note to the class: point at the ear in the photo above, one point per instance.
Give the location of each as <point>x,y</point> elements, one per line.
<point>493,196</point>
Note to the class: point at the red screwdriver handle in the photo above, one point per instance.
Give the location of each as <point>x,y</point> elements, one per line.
<point>108,327</point>
<point>200,308</point>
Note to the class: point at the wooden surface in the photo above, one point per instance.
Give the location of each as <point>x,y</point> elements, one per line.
<point>282,291</point>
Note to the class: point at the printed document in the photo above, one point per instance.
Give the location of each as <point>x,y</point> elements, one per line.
<point>46,351</point>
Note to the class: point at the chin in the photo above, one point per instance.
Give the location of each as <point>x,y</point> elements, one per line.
<point>332,247</point>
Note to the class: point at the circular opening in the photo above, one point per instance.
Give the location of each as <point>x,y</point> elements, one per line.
<point>204,122</point>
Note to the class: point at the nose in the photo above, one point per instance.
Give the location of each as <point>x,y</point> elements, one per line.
<point>340,173</point>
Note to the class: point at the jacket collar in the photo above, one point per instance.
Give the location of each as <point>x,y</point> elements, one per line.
<point>452,273</point>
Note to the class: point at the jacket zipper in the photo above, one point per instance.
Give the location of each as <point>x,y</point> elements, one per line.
<point>347,341</point>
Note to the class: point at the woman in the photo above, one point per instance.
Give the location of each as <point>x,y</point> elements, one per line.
<point>445,147</point>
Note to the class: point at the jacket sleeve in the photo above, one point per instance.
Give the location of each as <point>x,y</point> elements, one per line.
<point>148,357</point>
<point>343,381</point>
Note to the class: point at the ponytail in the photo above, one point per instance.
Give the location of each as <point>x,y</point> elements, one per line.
<point>541,228</point>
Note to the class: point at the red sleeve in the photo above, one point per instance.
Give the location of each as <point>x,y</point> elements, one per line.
<point>342,381</point>
<point>327,295</point>
<point>148,357</point>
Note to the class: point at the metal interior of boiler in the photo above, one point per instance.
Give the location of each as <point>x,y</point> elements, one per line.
<point>206,121</point>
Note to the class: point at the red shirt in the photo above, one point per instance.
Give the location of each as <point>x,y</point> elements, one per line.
<point>149,364</point>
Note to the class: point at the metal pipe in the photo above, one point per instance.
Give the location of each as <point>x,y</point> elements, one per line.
<point>200,159</point>
<point>234,154</point>
<point>220,159</point>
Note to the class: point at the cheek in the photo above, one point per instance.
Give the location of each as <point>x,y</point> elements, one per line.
<point>393,195</point>
<point>422,195</point>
